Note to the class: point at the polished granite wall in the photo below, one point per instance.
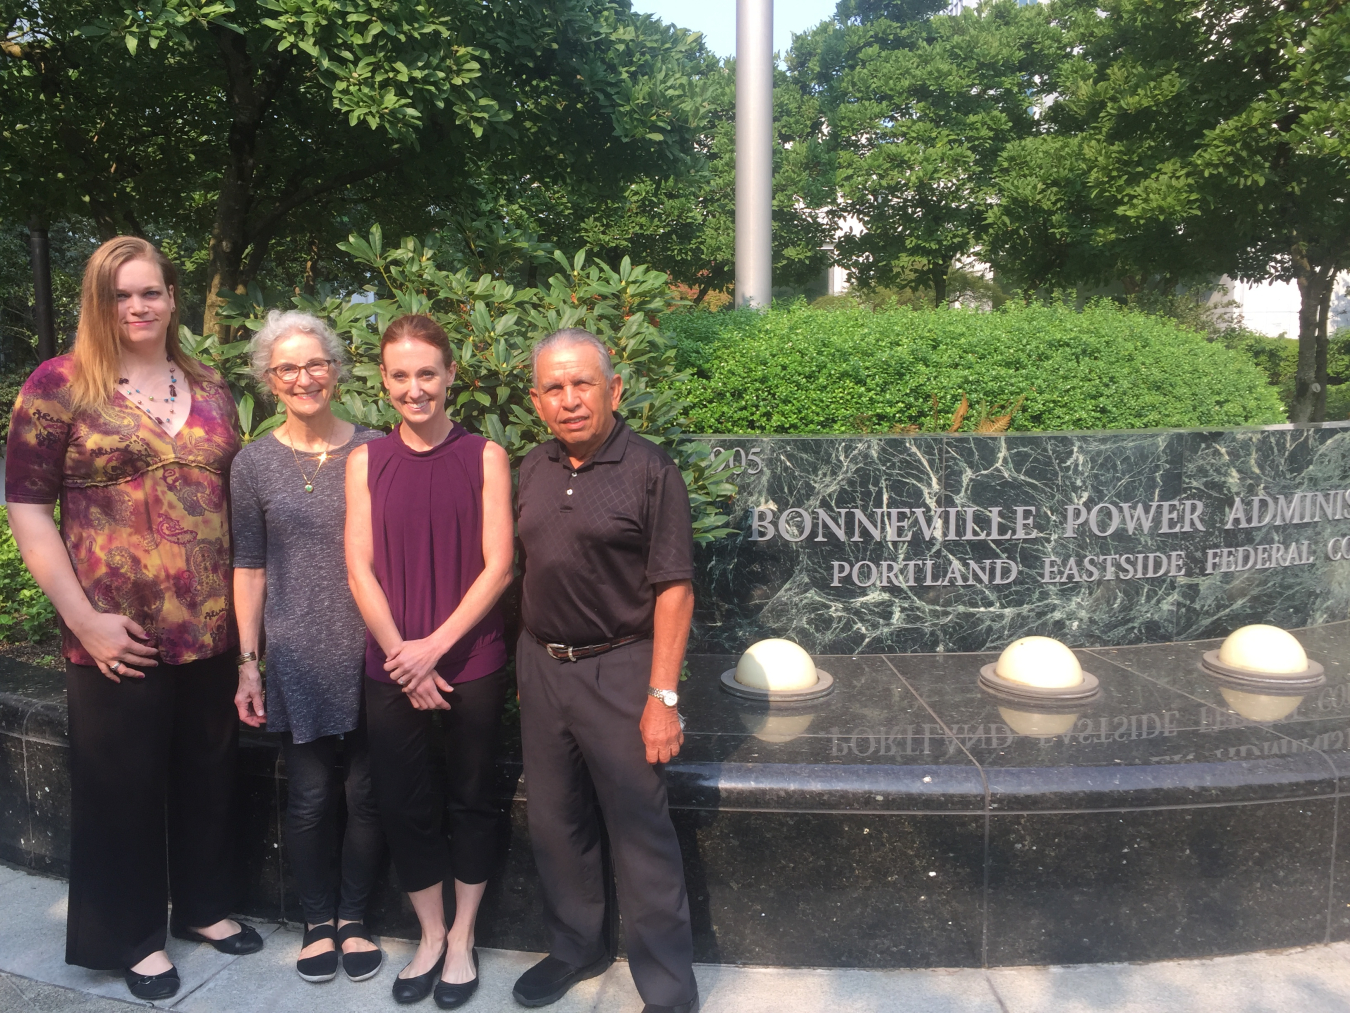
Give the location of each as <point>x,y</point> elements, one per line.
<point>902,821</point>
<point>966,542</point>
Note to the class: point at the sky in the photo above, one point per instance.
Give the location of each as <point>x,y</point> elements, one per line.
<point>716,19</point>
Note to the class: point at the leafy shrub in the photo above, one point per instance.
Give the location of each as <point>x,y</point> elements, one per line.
<point>493,323</point>
<point>25,612</point>
<point>1278,359</point>
<point>799,370</point>
<point>11,381</point>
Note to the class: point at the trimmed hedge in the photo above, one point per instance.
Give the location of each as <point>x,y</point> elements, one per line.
<point>799,370</point>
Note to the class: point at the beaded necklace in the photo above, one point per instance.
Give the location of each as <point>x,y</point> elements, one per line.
<point>135,394</point>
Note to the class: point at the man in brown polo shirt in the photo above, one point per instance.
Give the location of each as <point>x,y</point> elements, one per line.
<point>608,557</point>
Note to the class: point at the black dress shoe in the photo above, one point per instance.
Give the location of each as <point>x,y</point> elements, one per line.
<point>151,987</point>
<point>452,996</point>
<point>246,940</point>
<point>685,1007</point>
<point>410,990</point>
<point>362,964</point>
<point>321,966</point>
<point>548,981</point>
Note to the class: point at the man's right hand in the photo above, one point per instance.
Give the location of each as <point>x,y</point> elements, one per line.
<point>108,639</point>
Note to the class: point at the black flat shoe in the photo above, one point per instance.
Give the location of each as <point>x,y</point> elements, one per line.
<point>321,966</point>
<point>453,995</point>
<point>246,940</point>
<point>151,987</point>
<point>410,990</point>
<point>364,963</point>
<point>548,981</point>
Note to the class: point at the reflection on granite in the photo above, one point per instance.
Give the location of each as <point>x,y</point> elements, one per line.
<point>965,542</point>
<point>907,819</point>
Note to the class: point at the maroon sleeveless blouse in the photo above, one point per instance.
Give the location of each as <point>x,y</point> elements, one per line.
<point>426,514</point>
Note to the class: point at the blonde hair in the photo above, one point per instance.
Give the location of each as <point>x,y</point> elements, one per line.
<point>97,351</point>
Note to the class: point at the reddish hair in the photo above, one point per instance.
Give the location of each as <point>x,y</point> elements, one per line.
<point>419,327</point>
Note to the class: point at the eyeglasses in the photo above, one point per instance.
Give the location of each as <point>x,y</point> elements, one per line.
<point>318,369</point>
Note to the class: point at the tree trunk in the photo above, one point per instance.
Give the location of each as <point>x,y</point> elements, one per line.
<point>44,313</point>
<point>1315,285</point>
<point>310,285</point>
<point>250,94</point>
<point>938,273</point>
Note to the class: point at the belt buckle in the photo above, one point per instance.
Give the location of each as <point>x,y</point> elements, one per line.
<point>559,652</point>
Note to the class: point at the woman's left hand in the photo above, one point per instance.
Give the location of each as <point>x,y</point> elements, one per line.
<point>413,666</point>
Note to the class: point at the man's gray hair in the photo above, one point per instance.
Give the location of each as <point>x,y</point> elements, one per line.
<point>283,323</point>
<point>570,336</point>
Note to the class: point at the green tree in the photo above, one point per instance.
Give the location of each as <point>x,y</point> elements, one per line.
<point>920,112</point>
<point>237,126</point>
<point>685,223</point>
<point>1192,139</point>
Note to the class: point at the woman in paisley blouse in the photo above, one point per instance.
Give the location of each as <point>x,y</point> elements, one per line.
<point>133,438</point>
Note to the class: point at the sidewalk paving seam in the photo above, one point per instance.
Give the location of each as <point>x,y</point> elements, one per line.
<point>234,959</point>
<point>989,980</point>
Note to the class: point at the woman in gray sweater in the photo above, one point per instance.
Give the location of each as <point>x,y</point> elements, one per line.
<point>290,592</point>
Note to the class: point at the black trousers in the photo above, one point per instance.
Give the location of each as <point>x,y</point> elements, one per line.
<point>317,773</point>
<point>579,730</point>
<point>416,787</point>
<point>152,773</point>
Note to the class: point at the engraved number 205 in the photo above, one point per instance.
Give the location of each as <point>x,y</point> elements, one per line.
<point>751,463</point>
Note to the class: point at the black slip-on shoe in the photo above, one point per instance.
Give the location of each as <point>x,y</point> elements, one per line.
<point>685,1007</point>
<point>321,966</point>
<point>245,941</point>
<point>452,995</point>
<point>362,964</point>
<point>152,987</point>
<point>548,981</point>
<point>411,990</point>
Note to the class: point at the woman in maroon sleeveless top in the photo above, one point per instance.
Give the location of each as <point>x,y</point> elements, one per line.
<point>429,552</point>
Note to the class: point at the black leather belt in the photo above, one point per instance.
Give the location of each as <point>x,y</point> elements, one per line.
<point>566,652</point>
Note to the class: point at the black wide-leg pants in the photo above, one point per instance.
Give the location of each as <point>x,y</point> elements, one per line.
<point>152,773</point>
<point>579,732</point>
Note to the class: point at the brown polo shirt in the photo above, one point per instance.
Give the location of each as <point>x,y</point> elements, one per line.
<point>596,539</point>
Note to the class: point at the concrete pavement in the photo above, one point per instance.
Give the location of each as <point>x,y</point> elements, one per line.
<point>33,977</point>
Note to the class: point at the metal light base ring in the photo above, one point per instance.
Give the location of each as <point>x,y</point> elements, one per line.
<point>1295,684</point>
<point>1008,691</point>
<point>823,687</point>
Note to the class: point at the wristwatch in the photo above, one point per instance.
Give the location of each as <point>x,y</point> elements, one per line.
<point>667,696</point>
<point>246,657</point>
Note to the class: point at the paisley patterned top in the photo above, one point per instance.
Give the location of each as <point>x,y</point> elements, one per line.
<point>144,515</point>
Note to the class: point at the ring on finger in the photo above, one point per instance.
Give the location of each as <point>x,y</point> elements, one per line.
<point>115,667</point>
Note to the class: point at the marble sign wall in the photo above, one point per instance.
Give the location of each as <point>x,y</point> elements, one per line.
<point>967,542</point>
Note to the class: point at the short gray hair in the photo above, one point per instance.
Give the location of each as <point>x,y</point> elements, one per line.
<point>282,323</point>
<point>570,336</point>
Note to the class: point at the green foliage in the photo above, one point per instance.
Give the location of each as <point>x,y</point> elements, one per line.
<point>1278,359</point>
<point>801,370</point>
<point>1191,138</point>
<point>25,612</point>
<point>249,134</point>
<point>920,115</point>
<point>493,323</point>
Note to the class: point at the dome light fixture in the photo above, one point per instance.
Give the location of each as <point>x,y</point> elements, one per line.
<point>1040,686</point>
<point>777,670</point>
<point>1263,672</point>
